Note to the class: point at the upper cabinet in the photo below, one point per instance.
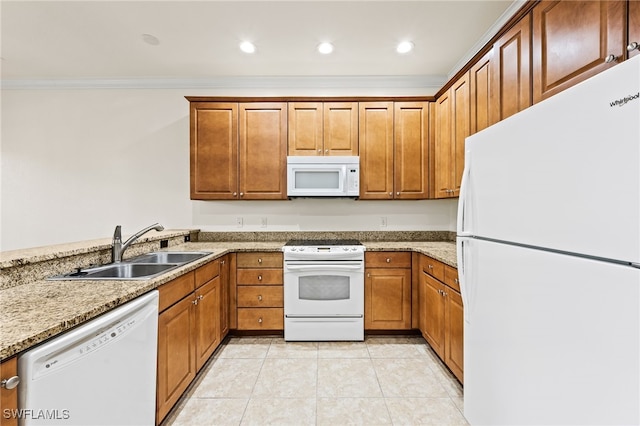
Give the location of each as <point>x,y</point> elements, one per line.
<point>574,40</point>
<point>633,39</point>
<point>263,151</point>
<point>323,128</point>
<point>452,126</point>
<point>479,93</point>
<point>511,72</point>
<point>394,150</point>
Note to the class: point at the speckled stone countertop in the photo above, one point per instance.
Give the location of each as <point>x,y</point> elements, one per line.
<point>33,312</point>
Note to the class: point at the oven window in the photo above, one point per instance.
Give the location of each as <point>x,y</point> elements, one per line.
<point>324,287</point>
<point>317,179</point>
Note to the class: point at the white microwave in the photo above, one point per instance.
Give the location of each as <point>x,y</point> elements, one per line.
<point>318,176</point>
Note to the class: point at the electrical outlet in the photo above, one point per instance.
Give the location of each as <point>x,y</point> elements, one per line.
<point>383,222</point>
<point>239,222</point>
<point>263,222</point>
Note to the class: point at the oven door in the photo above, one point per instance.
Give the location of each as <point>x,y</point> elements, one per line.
<point>324,289</point>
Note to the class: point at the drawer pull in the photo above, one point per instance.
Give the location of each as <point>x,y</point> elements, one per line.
<point>259,260</point>
<point>260,298</point>
<point>455,280</point>
<point>430,266</point>
<point>259,277</point>
<point>11,382</point>
<point>388,260</point>
<point>260,320</point>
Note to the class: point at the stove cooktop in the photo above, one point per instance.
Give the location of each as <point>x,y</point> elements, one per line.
<point>310,243</point>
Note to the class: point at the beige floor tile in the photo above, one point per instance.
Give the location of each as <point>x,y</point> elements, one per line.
<point>396,347</point>
<point>287,378</point>
<point>408,377</point>
<point>352,411</point>
<point>246,347</point>
<point>218,411</point>
<point>343,350</point>
<point>341,378</point>
<point>280,411</point>
<point>229,378</point>
<point>424,411</point>
<point>281,349</point>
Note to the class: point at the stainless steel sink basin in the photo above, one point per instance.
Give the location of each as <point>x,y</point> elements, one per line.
<point>169,257</point>
<point>143,267</point>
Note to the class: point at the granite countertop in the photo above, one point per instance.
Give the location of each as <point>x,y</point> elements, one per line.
<point>33,312</point>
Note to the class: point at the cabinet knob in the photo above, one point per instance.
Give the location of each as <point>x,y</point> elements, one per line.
<point>430,266</point>
<point>388,260</point>
<point>260,298</point>
<point>235,194</point>
<point>259,277</point>
<point>326,151</point>
<point>633,46</point>
<point>455,280</point>
<point>398,193</point>
<point>242,194</point>
<point>11,382</point>
<point>319,151</point>
<point>195,301</point>
<point>391,194</point>
<point>610,58</point>
<point>259,260</point>
<point>222,262</point>
<point>260,320</point>
<point>200,297</point>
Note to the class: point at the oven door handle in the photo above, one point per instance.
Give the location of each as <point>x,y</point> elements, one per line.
<point>324,267</point>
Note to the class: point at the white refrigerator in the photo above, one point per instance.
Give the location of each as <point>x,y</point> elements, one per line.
<point>549,259</point>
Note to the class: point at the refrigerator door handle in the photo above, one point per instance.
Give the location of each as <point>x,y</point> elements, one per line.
<point>464,209</point>
<point>463,269</point>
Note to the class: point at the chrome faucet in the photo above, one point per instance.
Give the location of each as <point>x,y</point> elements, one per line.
<point>118,247</point>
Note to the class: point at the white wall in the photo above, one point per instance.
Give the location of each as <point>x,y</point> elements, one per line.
<point>77,162</point>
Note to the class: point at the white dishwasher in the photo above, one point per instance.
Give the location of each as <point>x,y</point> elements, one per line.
<point>100,373</point>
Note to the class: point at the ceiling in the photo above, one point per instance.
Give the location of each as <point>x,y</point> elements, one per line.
<point>74,40</point>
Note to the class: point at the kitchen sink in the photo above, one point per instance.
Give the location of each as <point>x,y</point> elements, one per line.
<point>143,267</point>
<point>169,257</point>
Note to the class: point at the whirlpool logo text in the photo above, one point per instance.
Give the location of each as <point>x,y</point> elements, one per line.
<point>625,100</point>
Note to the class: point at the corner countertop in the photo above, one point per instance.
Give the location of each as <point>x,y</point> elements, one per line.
<point>31,313</point>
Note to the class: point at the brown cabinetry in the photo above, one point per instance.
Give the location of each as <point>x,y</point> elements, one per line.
<point>574,40</point>
<point>238,151</point>
<point>452,126</point>
<point>387,291</point>
<point>259,297</point>
<point>394,150</point>
<point>188,331</point>
<point>8,397</point>
<point>441,314</point>
<point>323,128</point>
<point>480,86</point>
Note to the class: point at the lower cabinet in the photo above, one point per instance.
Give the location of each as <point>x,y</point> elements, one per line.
<point>8,397</point>
<point>259,291</point>
<point>387,291</point>
<point>189,331</point>
<point>441,312</point>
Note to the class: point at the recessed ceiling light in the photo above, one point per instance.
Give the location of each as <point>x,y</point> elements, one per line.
<point>150,39</point>
<point>325,48</point>
<point>247,47</point>
<point>404,47</point>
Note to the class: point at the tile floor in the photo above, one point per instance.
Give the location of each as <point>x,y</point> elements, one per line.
<point>265,380</point>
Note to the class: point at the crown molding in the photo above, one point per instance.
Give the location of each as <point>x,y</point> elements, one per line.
<point>234,82</point>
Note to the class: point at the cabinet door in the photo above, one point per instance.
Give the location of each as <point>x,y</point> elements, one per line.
<point>207,316</point>
<point>571,40</point>
<point>9,397</point>
<point>340,128</point>
<point>461,121</point>
<point>454,329</point>
<point>176,354</point>
<point>224,297</point>
<point>263,151</point>
<point>376,150</point>
<point>511,73</point>
<point>442,152</point>
<point>305,125</point>
<point>214,151</point>
<point>634,26</point>
<point>479,93</point>
<point>411,139</point>
<point>432,304</point>
<point>387,299</point>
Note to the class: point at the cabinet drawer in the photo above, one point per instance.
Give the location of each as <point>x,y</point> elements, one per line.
<point>258,296</point>
<point>451,277</point>
<point>387,259</point>
<point>207,272</point>
<point>432,267</point>
<point>175,290</point>
<point>260,319</point>
<point>259,276</point>
<point>259,260</point>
